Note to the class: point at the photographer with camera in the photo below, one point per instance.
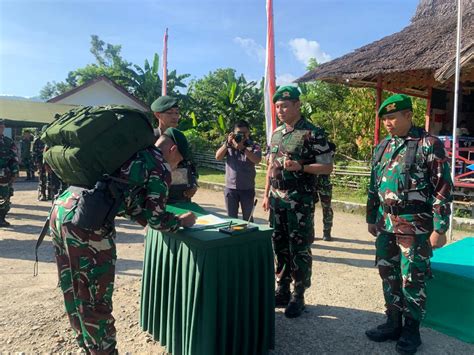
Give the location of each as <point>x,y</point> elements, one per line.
<point>241,154</point>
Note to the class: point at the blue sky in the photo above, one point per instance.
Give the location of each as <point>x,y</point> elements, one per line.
<point>42,40</point>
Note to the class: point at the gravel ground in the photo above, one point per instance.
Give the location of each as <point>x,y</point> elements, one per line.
<point>343,302</point>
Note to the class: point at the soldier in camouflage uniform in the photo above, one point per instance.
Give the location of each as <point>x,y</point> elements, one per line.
<point>86,258</point>
<point>324,192</point>
<point>299,151</point>
<point>26,157</point>
<point>54,185</point>
<point>38,149</point>
<point>408,211</point>
<point>166,111</point>
<point>8,171</point>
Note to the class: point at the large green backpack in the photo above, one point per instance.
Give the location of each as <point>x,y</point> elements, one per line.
<point>86,143</point>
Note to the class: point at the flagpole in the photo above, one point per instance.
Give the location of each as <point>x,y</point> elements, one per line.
<point>165,64</point>
<point>456,109</point>
<point>269,84</point>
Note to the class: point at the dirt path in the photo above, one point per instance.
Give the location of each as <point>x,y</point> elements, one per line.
<point>345,298</point>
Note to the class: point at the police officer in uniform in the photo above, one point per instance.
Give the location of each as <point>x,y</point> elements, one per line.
<point>298,152</point>
<point>8,171</point>
<point>184,180</point>
<point>408,211</point>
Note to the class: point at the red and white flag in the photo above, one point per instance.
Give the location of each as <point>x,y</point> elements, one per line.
<point>165,64</point>
<point>270,119</point>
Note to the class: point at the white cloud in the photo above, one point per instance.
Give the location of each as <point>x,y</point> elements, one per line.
<point>251,48</point>
<point>304,50</point>
<point>285,79</point>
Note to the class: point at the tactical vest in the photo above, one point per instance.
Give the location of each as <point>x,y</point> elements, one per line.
<point>289,146</point>
<point>409,162</point>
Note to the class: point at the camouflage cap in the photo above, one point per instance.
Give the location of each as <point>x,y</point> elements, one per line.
<point>164,103</point>
<point>180,140</point>
<point>395,103</point>
<point>286,92</point>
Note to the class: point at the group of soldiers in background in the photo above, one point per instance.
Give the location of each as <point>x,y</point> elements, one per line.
<point>8,170</point>
<point>49,184</point>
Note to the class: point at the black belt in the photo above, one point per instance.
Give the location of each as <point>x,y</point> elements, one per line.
<point>407,209</point>
<point>289,185</point>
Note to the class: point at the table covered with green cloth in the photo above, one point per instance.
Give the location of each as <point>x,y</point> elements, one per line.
<point>206,292</point>
<point>450,294</point>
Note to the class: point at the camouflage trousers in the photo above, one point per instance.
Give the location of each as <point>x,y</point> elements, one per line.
<point>404,266</point>
<point>293,234</point>
<point>29,166</point>
<point>54,185</point>
<point>6,192</point>
<point>86,268</point>
<point>325,197</point>
<point>42,181</point>
<point>49,184</point>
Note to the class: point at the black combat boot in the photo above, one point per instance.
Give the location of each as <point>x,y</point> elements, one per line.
<point>42,195</point>
<point>3,222</point>
<point>390,330</point>
<point>410,339</point>
<point>282,295</point>
<point>327,235</point>
<point>296,306</point>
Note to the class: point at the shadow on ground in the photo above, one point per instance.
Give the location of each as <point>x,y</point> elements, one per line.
<point>339,330</point>
<point>25,250</point>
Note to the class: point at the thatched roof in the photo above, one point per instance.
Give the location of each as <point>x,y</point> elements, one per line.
<point>409,59</point>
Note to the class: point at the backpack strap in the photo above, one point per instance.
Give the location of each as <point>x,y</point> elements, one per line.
<point>41,236</point>
<point>380,150</point>
<point>409,161</point>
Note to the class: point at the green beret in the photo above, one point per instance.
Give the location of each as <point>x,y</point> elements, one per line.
<point>164,103</point>
<point>180,140</point>
<point>395,103</point>
<point>286,92</point>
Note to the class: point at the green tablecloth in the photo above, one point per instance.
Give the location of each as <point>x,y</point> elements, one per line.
<point>205,292</point>
<point>450,301</point>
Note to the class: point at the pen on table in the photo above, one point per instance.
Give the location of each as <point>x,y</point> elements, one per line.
<point>230,225</point>
<point>253,210</point>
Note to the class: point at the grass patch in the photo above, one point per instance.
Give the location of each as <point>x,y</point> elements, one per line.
<point>349,195</point>
<point>217,176</point>
<point>339,193</point>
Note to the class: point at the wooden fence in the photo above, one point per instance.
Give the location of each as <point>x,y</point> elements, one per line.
<point>342,175</point>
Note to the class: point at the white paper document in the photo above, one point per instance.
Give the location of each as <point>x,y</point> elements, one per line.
<point>208,221</point>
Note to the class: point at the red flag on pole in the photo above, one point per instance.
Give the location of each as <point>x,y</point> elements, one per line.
<point>165,64</point>
<point>270,119</point>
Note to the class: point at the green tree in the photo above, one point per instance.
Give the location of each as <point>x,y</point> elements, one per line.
<point>347,114</point>
<point>220,99</point>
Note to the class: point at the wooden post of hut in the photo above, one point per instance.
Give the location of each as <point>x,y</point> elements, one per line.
<point>377,106</point>
<point>428,109</point>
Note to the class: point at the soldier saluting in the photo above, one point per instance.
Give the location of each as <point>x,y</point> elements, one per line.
<point>408,211</point>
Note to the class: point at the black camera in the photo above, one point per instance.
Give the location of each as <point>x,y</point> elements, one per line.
<point>238,137</point>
